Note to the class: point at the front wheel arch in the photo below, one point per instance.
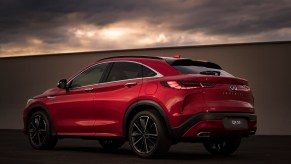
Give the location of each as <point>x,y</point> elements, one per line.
<point>37,108</point>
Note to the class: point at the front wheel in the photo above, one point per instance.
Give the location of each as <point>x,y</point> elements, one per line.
<point>40,131</point>
<point>222,146</point>
<point>148,135</point>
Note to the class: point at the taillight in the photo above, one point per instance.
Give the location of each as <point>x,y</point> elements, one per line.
<point>247,87</point>
<point>186,84</point>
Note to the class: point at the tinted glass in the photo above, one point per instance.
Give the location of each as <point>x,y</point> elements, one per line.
<point>124,70</point>
<point>202,70</point>
<point>148,72</point>
<point>90,76</point>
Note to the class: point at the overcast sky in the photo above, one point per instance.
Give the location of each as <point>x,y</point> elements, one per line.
<point>31,27</point>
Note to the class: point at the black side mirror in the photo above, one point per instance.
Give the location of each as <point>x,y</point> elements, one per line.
<point>63,84</point>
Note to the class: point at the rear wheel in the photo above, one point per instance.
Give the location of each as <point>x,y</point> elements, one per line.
<point>148,136</point>
<point>111,143</point>
<point>222,146</point>
<point>40,131</point>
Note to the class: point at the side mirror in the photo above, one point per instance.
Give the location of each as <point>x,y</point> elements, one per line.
<point>63,84</point>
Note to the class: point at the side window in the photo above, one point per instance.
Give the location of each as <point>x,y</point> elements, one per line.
<point>124,70</point>
<point>90,76</point>
<point>146,72</point>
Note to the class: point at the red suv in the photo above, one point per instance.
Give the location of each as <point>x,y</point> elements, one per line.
<point>153,102</point>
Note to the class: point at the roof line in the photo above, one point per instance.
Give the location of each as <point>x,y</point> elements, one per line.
<point>157,48</point>
<point>147,57</point>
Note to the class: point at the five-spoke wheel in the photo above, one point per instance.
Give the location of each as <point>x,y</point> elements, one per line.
<point>39,131</point>
<point>148,136</point>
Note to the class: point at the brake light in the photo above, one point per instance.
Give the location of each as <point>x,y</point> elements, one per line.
<point>178,56</point>
<point>186,84</point>
<point>247,87</point>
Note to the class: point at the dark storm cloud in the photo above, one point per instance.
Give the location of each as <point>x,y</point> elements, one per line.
<point>49,20</point>
<point>242,17</point>
<point>45,18</point>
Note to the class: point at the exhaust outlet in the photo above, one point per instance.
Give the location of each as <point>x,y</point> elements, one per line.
<point>203,134</point>
<point>252,133</point>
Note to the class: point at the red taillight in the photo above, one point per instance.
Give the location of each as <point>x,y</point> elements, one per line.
<point>178,56</point>
<point>247,87</point>
<point>186,84</point>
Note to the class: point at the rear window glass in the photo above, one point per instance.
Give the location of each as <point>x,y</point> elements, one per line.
<point>202,70</point>
<point>124,70</point>
<point>147,72</point>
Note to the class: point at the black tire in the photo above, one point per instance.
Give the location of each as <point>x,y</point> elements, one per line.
<point>111,143</point>
<point>222,146</point>
<point>39,130</point>
<point>148,135</point>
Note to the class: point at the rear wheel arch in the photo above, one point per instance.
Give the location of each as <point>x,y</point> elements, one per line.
<point>139,106</point>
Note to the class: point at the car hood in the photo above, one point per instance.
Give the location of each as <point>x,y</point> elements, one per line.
<point>49,92</point>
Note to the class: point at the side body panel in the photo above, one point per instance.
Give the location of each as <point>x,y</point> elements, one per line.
<point>111,100</point>
<point>73,112</point>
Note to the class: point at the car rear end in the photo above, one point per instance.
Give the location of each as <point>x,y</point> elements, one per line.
<point>206,101</point>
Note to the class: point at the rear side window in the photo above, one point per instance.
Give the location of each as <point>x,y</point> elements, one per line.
<point>147,72</point>
<point>124,70</point>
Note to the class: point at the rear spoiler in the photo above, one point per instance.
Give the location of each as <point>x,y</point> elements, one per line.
<point>189,62</point>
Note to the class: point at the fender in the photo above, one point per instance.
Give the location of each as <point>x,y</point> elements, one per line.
<point>151,103</point>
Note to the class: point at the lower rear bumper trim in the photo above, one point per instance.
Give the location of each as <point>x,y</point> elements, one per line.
<point>180,130</point>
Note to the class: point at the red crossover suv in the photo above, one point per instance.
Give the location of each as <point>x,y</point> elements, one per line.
<point>153,102</point>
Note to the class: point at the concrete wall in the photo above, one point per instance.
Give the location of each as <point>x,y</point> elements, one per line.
<point>265,65</point>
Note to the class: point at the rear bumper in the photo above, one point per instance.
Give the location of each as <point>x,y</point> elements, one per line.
<point>213,124</point>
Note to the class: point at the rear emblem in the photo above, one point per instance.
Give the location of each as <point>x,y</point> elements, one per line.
<point>233,87</point>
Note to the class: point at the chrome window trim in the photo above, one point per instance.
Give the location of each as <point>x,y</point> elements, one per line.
<point>126,61</point>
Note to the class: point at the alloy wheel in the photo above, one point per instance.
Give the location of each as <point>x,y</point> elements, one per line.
<point>144,134</point>
<point>37,130</point>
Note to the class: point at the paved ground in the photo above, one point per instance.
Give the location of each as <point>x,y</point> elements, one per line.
<point>14,148</point>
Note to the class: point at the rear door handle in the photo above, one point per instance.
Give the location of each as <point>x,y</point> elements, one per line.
<point>88,89</point>
<point>131,84</point>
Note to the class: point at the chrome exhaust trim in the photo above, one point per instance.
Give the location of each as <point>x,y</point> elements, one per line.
<point>203,134</point>
<point>252,133</point>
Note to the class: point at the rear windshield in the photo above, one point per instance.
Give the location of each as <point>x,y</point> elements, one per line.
<point>202,70</point>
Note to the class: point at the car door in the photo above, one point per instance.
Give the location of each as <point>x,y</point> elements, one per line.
<point>74,108</point>
<point>121,88</point>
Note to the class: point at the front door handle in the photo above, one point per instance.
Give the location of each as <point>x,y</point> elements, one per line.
<point>88,89</point>
<point>131,84</point>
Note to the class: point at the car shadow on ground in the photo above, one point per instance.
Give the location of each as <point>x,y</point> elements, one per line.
<point>182,156</point>
<point>126,152</point>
